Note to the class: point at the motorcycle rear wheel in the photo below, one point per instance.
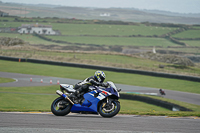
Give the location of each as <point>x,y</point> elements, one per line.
<point>109,111</point>
<point>61,107</point>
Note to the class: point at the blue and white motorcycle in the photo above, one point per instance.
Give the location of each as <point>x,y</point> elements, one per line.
<point>97,100</point>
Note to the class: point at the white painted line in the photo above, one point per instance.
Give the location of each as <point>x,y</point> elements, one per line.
<point>16,80</point>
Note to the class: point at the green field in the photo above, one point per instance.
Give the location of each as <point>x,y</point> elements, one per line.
<point>28,38</point>
<point>123,41</point>
<point>79,73</point>
<point>72,31</point>
<point>188,34</point>
<point>98,29</point>
<point>12,24</point>
<point>193,43</point>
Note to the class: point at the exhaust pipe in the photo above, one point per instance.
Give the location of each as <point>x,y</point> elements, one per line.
<point>65,96</point>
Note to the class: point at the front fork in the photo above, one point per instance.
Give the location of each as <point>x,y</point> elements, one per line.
<point>108,102</point>
<point>105,103</point>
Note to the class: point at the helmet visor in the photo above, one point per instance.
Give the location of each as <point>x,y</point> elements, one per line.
<point>101,79</point>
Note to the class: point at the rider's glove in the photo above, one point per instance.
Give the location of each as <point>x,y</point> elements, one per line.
<point>105,84</point>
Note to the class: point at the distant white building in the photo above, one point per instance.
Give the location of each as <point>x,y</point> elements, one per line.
<point>105,14</point>
<point>3,14</point>
<point>37,28</point>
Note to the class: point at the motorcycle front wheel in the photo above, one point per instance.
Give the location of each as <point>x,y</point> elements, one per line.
<point>109,110</point>
<point>60,107</point>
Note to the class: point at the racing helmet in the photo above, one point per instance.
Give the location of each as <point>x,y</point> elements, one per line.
<point>99,76</point>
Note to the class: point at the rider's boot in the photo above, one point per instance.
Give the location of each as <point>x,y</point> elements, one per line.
<point>76,94</point>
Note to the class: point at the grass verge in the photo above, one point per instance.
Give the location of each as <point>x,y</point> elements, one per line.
<point>28,99</point>
<point>6,80</point>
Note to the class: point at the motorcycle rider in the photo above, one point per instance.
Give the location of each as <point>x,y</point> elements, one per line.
<point>83,86</point>
<point>162,92</point>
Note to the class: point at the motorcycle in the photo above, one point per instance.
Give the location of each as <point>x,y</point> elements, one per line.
<point>97,100</point>
<point>162,92</point>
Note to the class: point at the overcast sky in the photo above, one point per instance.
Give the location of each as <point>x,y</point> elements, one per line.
<point>180,6</point>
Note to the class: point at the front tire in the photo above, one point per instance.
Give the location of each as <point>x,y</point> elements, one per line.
<point>61,107</point>
<point>109,111</point>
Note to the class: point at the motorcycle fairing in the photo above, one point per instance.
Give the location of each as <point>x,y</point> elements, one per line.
<point>67,87</point>
<point>114,90</point>
<point>90,103</point>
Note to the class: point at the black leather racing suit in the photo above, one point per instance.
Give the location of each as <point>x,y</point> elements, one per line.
<point>84,85</point>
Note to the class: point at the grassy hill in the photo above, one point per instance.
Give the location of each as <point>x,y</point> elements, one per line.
<point>105,37</point>
<point>117,14</point>
<point>171,38</point>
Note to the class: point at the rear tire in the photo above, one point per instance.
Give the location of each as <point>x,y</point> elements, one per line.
<point>111,111</point>
<point>61,107</point>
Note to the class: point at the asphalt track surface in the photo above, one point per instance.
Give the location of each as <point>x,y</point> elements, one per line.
<point>81,123</point>
<point>24,80</point>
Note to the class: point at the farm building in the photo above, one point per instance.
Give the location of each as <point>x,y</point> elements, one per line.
<point>3,14</point>
<point>37,28</point>
<point>105,14</point>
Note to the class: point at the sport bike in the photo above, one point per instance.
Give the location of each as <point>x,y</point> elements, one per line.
<point>97,100</point>
<point>162,92</point>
